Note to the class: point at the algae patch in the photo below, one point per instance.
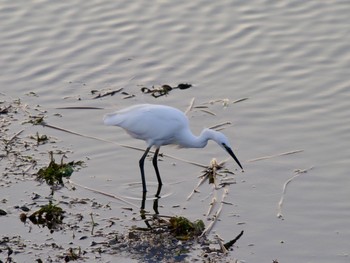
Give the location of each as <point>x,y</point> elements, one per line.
<point>49,215</point>
<point>54,173</point>
<point>184,229</point>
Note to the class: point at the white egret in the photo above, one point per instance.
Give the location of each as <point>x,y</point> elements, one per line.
<point>160,125</point>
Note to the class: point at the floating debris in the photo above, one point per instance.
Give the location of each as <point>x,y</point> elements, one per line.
<point>162,243</point>
<point>108,93</point>
<point>35,120</point>
<point>40,139</point>
<point>5,110</point>
<point>49,216</point>
<point>164,89</point>
<point>72,254</point>
<point>3,212</point>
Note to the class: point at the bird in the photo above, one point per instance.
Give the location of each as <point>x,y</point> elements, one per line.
<point>160,125</point>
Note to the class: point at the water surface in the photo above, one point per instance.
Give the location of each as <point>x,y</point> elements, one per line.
<point>289,58</point>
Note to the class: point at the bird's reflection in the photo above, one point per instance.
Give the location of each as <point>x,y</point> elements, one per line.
<point>155,205</point>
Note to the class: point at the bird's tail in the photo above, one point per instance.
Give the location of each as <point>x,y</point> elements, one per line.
<point>111,119</point>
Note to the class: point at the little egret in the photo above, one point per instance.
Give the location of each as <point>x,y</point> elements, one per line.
<point>160,125</point>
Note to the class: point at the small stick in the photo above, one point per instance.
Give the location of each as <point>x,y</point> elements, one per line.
<point>110,93</point>
<point>211,205</point>
<point>239,100</point>
<point>198,185</point>
<point>209,112</point>
<point>14,136</point>
<point>201,107</point>
<point>93,224</point>
<point>190,107</point>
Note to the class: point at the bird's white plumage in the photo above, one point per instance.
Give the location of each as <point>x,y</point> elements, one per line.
<point>156,124</point>
<point>162,125</point>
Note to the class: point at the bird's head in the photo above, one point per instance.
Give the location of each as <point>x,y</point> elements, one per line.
<point>224,143</point>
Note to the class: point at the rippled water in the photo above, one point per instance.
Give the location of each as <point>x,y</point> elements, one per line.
<point>291,59</point>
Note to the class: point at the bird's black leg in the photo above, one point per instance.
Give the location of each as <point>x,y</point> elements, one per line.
<point>141,163</point>
<point>155,164</point>
<point>156,199</point>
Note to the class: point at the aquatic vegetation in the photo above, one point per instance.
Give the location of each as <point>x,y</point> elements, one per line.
<point>184,229</point>
<point>54,173</point>
<point>49,215</point>
<point>40,139</point>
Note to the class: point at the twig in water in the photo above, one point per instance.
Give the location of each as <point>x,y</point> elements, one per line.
<point>231,243</point>
<point>103,193</point>
<point>280,203</point>
<point>14,136</point>
<point>79,108</point>
<point>216,215</point>
<point>273,156</point>
<point>211,205</point>
<point>196,188</point>
<point>93,224</point>
<point>239,100</point>
<point>190,107</point>
<point>109,93</point>
<point>217,126</point>
<point>201,107</point>
<point>209,112</point>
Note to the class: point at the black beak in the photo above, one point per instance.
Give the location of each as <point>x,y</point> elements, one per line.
<point>229,150</point>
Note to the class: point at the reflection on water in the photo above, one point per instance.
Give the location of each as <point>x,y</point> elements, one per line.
<point>155,204</point>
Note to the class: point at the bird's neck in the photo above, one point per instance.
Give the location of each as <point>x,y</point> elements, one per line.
<point>192,141</point>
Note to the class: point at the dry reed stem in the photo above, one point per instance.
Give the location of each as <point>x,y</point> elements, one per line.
<point>273,156</point>
<point>196,188</point>
<point>215,217</point>
<point>209,112</point>
<point>103,193</point>
<point>14,136</point>
<point>217,126</point>
<point>190,107</point>
<point>280,203</point>
<point>239,100</point>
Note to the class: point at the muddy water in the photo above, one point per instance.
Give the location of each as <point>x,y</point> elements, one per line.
<point>290,59</point>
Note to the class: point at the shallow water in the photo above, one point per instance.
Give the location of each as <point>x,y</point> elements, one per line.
<point>290,59</point>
